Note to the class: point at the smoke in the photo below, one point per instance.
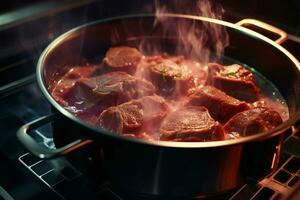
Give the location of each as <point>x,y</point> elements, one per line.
<point>203,41</point>
<point>200,42</point>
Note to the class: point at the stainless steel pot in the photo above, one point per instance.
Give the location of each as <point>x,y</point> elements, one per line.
<point>173,169</point>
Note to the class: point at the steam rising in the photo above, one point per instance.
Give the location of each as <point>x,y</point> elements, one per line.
<point>201,41</point>
<point>198,41</point>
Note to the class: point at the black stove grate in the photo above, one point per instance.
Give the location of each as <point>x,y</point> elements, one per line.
<point>61,177</point>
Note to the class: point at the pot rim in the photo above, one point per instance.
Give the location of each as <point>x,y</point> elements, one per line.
<point>96,132</point>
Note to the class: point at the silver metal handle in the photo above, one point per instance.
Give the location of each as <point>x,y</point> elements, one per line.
<point>43,152</point>
<point>254,22</point>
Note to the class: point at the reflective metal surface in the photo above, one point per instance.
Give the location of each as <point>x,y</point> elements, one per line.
<point>97,38</point>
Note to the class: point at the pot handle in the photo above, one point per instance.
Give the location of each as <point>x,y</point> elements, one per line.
<point>41,151</point>
<point>253,22</point>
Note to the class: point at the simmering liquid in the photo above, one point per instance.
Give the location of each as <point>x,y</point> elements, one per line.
<point>164,97</point>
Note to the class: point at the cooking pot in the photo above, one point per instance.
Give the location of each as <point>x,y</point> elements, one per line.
<point>163,168</point>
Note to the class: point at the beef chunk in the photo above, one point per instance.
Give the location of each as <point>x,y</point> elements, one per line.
<point>173,76</point>
<point>191,123</point>
<point>235,80</point>
<point>108,89</point>
<point>221,106</point>
<point>170,78</point>
<point>144,114</point>
<point>63,85</point>
<point>198,72</point>
<point>253,121</point>
<point>81,72</point>
<point>156,59</point>
<point>122,59</point>
<point>274,104</point>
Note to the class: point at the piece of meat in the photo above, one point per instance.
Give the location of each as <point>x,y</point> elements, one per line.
<point>81,72</point>
<point>106,90</point>
<point>67,81</point>
<point>274,104</point>
<point>174,76</point>
<point>156,59</point>
<point>235,80</point>
<point>197,71</point>
<point>191,123</point>
<point>220,105</point>
<point>122,59</point>
<point>253,121</point>
<point>170,78</point>
<point>136,116</point>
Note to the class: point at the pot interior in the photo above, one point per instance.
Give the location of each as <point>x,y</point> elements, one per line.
<point>90,42</point>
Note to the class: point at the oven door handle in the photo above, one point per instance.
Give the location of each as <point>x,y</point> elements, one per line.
<point>41,151</point>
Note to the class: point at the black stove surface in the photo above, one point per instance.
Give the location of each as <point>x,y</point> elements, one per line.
<point>24,176</point>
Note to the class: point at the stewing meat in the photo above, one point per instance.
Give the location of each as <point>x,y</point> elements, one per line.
<point>235,80</point>
<point>144,114</point>
<point>170,78</point>
<point>253,121</point>
<point>220,105</point>
<point>191,123</point>
<point>106,90</point>
<point>122,59</point>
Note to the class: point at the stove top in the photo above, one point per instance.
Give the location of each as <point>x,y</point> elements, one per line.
<point>24,176</point>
